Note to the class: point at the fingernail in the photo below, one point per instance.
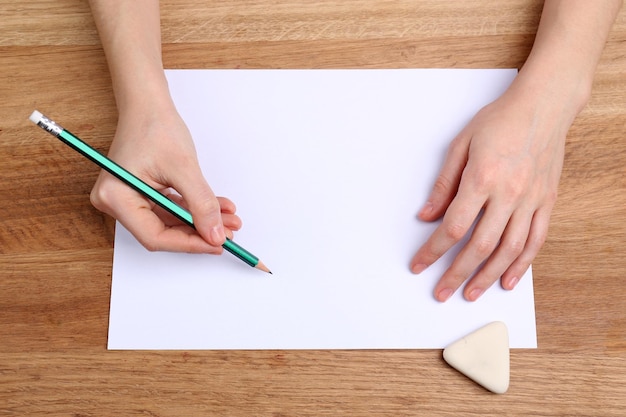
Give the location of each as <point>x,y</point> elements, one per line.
<point>513,282</point>
<point>428,207</point>
<point>444,294</point>
<point>417,268</point>
<point>475,293</point>
<point>217,233</point>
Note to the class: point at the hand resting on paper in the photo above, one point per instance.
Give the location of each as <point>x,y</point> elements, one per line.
<point>507,161</point>
<point>158,149</point>
<point>505,164</point>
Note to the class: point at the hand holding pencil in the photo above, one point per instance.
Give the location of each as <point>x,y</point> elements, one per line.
<point>158,148</point>
<point>152,140</point>
<point>152,200</point>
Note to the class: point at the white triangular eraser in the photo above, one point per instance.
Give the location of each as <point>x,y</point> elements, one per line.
<point>483,356</point>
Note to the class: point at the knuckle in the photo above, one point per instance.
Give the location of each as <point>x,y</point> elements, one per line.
<point>537,241</point>
<point>484,180</point>
<point>455,231</point>
<point>442,185</point>
<point>484,247</point>
<point>516,247</point>
<point>207,203</point>
<point>100,197</point>
<point>513,248</point>
<point>531,249</point>
<point>515,190</point>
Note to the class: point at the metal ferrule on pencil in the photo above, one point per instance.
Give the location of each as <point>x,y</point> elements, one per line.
<point>48,125</point>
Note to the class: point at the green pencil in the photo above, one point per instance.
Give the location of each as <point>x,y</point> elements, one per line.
<point>135,183</point>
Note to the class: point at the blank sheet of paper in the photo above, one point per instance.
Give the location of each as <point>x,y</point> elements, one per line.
<point>328,169</point>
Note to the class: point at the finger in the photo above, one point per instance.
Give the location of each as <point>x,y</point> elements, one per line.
<point>136,214</point>
<point>482,243</point>
<point>456,223</point>
<point>203,205</point>
<point>447,182</point>
<point>509,249</point>
<point>231,222</point>
<point>536,239</point>
<point>155,235</point>
<point>226,205</point>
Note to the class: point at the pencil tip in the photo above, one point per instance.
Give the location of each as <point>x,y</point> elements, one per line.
<point>263,268</point>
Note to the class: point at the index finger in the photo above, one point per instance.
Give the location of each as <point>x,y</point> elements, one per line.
<point>457,221</point>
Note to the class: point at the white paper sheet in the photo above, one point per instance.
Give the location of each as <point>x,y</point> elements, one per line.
<point>328,169</point>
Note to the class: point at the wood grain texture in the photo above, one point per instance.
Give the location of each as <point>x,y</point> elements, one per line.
<point>56,250</point>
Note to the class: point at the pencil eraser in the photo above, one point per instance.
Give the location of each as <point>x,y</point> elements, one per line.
<point>483,356</point>
<point>35,117</point>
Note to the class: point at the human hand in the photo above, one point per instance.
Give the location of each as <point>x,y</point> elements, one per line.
<point>505,164</point>
<point>157,147</point>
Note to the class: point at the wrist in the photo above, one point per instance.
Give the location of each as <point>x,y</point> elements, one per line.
<point>143,91</point>
<point>557,95</point>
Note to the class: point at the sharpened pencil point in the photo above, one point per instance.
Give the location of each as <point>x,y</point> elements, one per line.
<point>262,267</point>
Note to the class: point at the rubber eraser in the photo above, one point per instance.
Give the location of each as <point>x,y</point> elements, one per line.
<point>35,117</point>
<point>483,356</point>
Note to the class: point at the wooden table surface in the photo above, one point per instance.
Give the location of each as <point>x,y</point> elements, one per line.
<point>56,250</point>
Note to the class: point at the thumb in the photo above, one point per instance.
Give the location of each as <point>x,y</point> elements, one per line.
<point>205,209</point>
<point>447,183</point>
